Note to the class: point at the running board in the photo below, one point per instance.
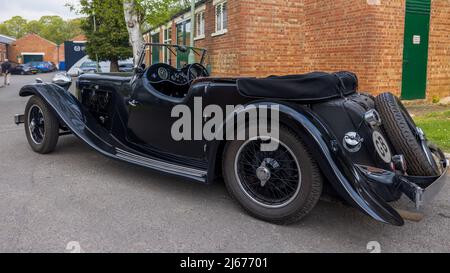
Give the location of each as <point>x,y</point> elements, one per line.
<point>161,165</point>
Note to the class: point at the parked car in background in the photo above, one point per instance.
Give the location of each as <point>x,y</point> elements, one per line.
<point>23,69</point>
<point>126,67</point>
<point>89,67</point>
<point>77,70</point>
<point>44,67</point>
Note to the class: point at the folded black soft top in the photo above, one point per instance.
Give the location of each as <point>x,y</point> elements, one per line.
<point>311,87</point>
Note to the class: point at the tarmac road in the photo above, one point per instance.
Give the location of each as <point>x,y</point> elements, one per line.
<point>76,195</point>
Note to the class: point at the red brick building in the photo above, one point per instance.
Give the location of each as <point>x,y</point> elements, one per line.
<point>33,47</point>
<point>5,42</point>
<point>393,45</point>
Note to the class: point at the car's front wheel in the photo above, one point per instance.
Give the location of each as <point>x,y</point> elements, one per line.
<point>280,186</point>
<point>41,126</point>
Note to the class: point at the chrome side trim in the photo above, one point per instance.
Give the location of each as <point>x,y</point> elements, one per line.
<point>160,165</point>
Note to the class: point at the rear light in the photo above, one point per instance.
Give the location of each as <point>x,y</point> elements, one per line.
<point>399,163</point>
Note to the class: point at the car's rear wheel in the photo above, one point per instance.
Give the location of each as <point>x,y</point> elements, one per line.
<point>282,186</point>
<point>41,126</point>
<point>405,136</point>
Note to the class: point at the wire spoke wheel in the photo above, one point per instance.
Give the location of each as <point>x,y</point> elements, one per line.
<point>270,178</point>
<point>36,124</point>
<point>41,126</point>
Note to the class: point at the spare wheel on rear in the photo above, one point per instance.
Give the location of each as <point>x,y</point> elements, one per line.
<point>405,136</point>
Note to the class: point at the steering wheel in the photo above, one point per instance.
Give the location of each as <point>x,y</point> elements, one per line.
<point>196,70</point>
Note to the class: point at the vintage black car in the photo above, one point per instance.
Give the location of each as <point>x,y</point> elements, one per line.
<point>365,150</point>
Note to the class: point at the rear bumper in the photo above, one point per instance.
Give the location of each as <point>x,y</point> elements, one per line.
<point>422,190</point>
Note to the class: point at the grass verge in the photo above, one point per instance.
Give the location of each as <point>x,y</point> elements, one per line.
<point>436,126</point>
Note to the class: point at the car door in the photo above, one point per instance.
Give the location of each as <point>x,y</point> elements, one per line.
<point>150,121</point>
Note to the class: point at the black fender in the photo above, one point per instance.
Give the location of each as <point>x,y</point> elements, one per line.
<point>83,125</point>
<point>70,113</point>
<point>345,177</point>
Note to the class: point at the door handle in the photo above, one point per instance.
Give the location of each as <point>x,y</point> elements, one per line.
<point>133,103</point>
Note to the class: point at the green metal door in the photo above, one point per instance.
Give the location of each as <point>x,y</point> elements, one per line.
<point>415,53</point>
<point>155,49</point>
<point>32,58</point>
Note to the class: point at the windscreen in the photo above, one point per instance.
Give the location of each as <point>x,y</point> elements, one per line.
<point>174,55</point>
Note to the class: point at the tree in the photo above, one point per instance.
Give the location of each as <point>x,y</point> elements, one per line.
<point>15,27</point>
<point>55,29</point>
<point>148,13</point>
<point>34,26</point>
<point>52,28</point>
<point>134,13</point>
<point>106,31</point>
<point>158,12</point>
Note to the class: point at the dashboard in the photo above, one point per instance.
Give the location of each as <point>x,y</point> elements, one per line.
<point>163,72</point>
<point>174,82</point>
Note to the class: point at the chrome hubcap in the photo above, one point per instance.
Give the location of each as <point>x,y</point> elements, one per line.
<point>263,173</point>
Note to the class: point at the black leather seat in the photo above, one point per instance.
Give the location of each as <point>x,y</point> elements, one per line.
<point>311,87</point>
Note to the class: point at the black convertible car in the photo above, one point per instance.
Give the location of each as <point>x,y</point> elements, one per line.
<point>331,138</point>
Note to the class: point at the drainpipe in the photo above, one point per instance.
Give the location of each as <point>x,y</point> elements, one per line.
<point>191,52</point>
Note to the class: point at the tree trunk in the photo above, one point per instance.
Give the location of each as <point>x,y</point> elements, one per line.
<point>114,65</point>
<point>134,27</point>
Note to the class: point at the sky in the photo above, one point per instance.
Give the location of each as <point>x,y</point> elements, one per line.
<point>34,9</point>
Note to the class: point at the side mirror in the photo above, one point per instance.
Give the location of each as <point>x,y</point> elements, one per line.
<point>63,80</point>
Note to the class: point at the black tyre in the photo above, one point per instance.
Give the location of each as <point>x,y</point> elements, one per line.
<point>279,187</point>
<point>41,126</point>
<point>402,131</point>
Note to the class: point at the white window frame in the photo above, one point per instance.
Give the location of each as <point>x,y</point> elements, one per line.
<point>221,30</point>
<point>200,25</point>
<point>166,40</point>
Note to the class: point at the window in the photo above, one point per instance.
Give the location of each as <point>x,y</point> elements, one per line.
<point>200,25</point>
<point>184,32</point>
<point>167,40</point>
<point>221,18</point>
<point>155,49</point>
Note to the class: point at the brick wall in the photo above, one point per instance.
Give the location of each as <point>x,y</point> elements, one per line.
<point>439,50</point>
<point>224,51</point>
<point>272,37</point>
<point>2,52</point>
<point>268,37</point>
<point>33,43</point>
<point>356,36</point>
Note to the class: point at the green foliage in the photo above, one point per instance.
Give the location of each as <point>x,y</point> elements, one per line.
<point>52,28</point>
<point>105,29</point>
<point>158,12</point>
<point>15,27</point>
<point>436,99</point>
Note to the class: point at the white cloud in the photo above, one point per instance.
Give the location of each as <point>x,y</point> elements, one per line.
<point>34,9</point>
